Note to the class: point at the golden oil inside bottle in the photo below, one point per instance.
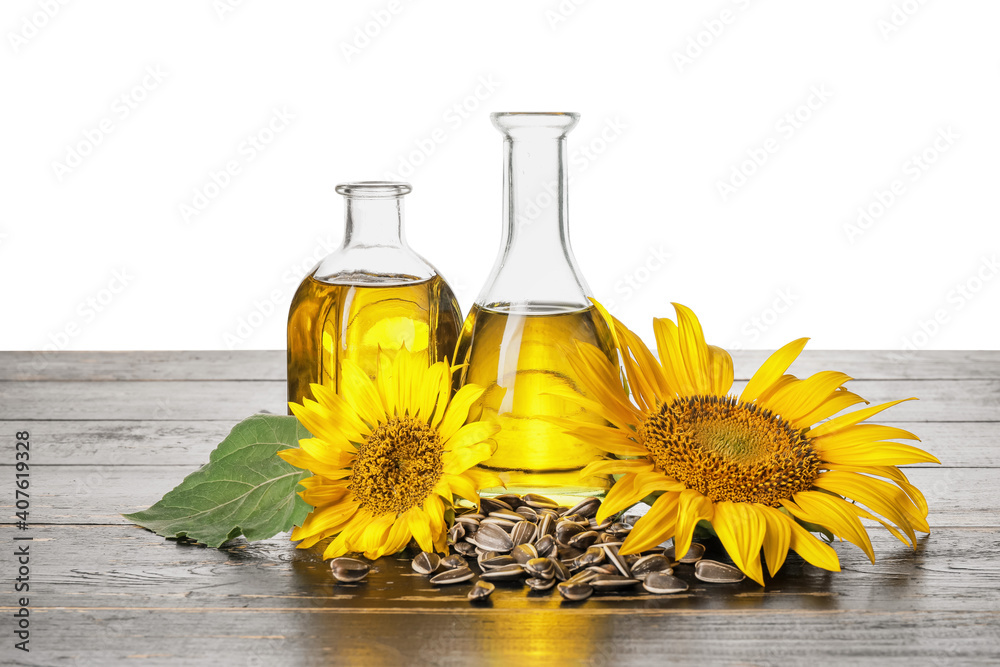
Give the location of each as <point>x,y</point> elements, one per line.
<point>356,316</point>
<point>519,357</point>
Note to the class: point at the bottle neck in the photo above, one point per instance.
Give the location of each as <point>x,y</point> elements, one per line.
<point>373,222</point>
<point>536,202</point>
<point>536,271</point>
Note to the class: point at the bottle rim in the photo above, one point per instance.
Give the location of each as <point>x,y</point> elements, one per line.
<point>373,189</point>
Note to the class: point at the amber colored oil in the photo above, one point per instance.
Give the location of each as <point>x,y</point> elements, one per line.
<point>520,357</point>
<point>353,318</point>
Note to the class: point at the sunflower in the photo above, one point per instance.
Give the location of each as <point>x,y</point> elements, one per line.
<point>388,456</point>
<point>757,467</point>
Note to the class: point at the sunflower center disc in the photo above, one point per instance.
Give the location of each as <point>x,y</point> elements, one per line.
<point>397,466</point>
<point>729,450</point>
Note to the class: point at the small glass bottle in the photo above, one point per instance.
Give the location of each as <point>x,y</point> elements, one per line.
<point>535,304</point>
<point>373,292</point>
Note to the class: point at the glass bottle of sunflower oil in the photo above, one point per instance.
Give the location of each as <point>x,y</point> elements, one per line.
<point>535,305</point>
<point>372,293</point>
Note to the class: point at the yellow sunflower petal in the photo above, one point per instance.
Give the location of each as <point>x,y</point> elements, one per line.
<point>777,538</point>
<point>471,434</point>
<point>772,370</point>
<point>459,460</point>
<point>615,466</point>
<point>693,507</point>
<point>462,486</point>
<point>720,371</point>
<point>340,413</point>
<point>841,399</point>
<point>322,424</point>
<point>878,496</point>
<point>694,350</point>
<point>458,410</point>
<point>852,418</point>
<point>654,527</point>
<point>811,549</point>
<point>420,526</point>
<point>879,454</point>
<point>801,398</point>
<point>833,513</point>
<point>360,393</point>
<point>741,530</point>
<point>859,435</point>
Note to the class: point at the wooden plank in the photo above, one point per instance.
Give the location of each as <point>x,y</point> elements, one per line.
<point>954,569</point>
<point>153,400</point>
<point>561,637</point>
<point>958,445</point>
<point>941,400</point>
<point>270,364</point>
<point>144,365</point>
<point>98,494</point>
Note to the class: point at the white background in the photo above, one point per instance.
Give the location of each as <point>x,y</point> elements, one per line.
<point>681,97</point>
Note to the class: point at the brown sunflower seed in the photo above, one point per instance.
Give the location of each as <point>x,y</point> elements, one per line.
<point>504,573</point>
<point>714,572</point>
<point>583,540</point>
<point>506,524</point>
<point>456,534</point>
<point>612,582</point>
<point>493,538</point>
<point>560,571</point>
<point>481,590</point>
<point>546,546</point>
<point>528,513</point>
<point>651,563</point>
<point>523,532</point>
<point>349,570</point>
<point>693,555</point>
<point>587,507</point>
<point>426,562</point>
<point>522,553</point>
<point>454,576</point>
<point>452,561</point>
<point>662,583</point>
<point>538,501</point>
<point>546,525</point>
<point>511,499</point>
<point>487,505</point>
<point>566,530</point>
<point>583,577</point>
<point>542,568</point>
<point>509,515</point>
<point>611,553</point>
<point>592,556</point>
<point>466,549</point>
<point>497,561</point>
<point>619,529</point>
<point>537,584</point>
<point>574,590</point>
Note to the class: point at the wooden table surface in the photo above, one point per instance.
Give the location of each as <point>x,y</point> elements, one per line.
<point>112,432</point>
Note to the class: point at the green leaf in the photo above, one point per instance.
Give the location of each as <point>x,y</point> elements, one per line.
<point>244,489</point>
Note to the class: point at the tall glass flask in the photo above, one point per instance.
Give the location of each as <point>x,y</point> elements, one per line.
<point>535,304</point>
<point>372,293</point>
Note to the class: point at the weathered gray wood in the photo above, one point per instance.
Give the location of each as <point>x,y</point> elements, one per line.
<point>148,401</point>
<point>959,445</point>
<point>270,364</point>
<point>952,569</point>
<point>98,494</point>
<point>940,400</point>
<point>105,594</point>
<point>744,635</point>
<point>144,365</point>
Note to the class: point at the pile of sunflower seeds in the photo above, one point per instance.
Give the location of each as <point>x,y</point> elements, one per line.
<point>534,540</point>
